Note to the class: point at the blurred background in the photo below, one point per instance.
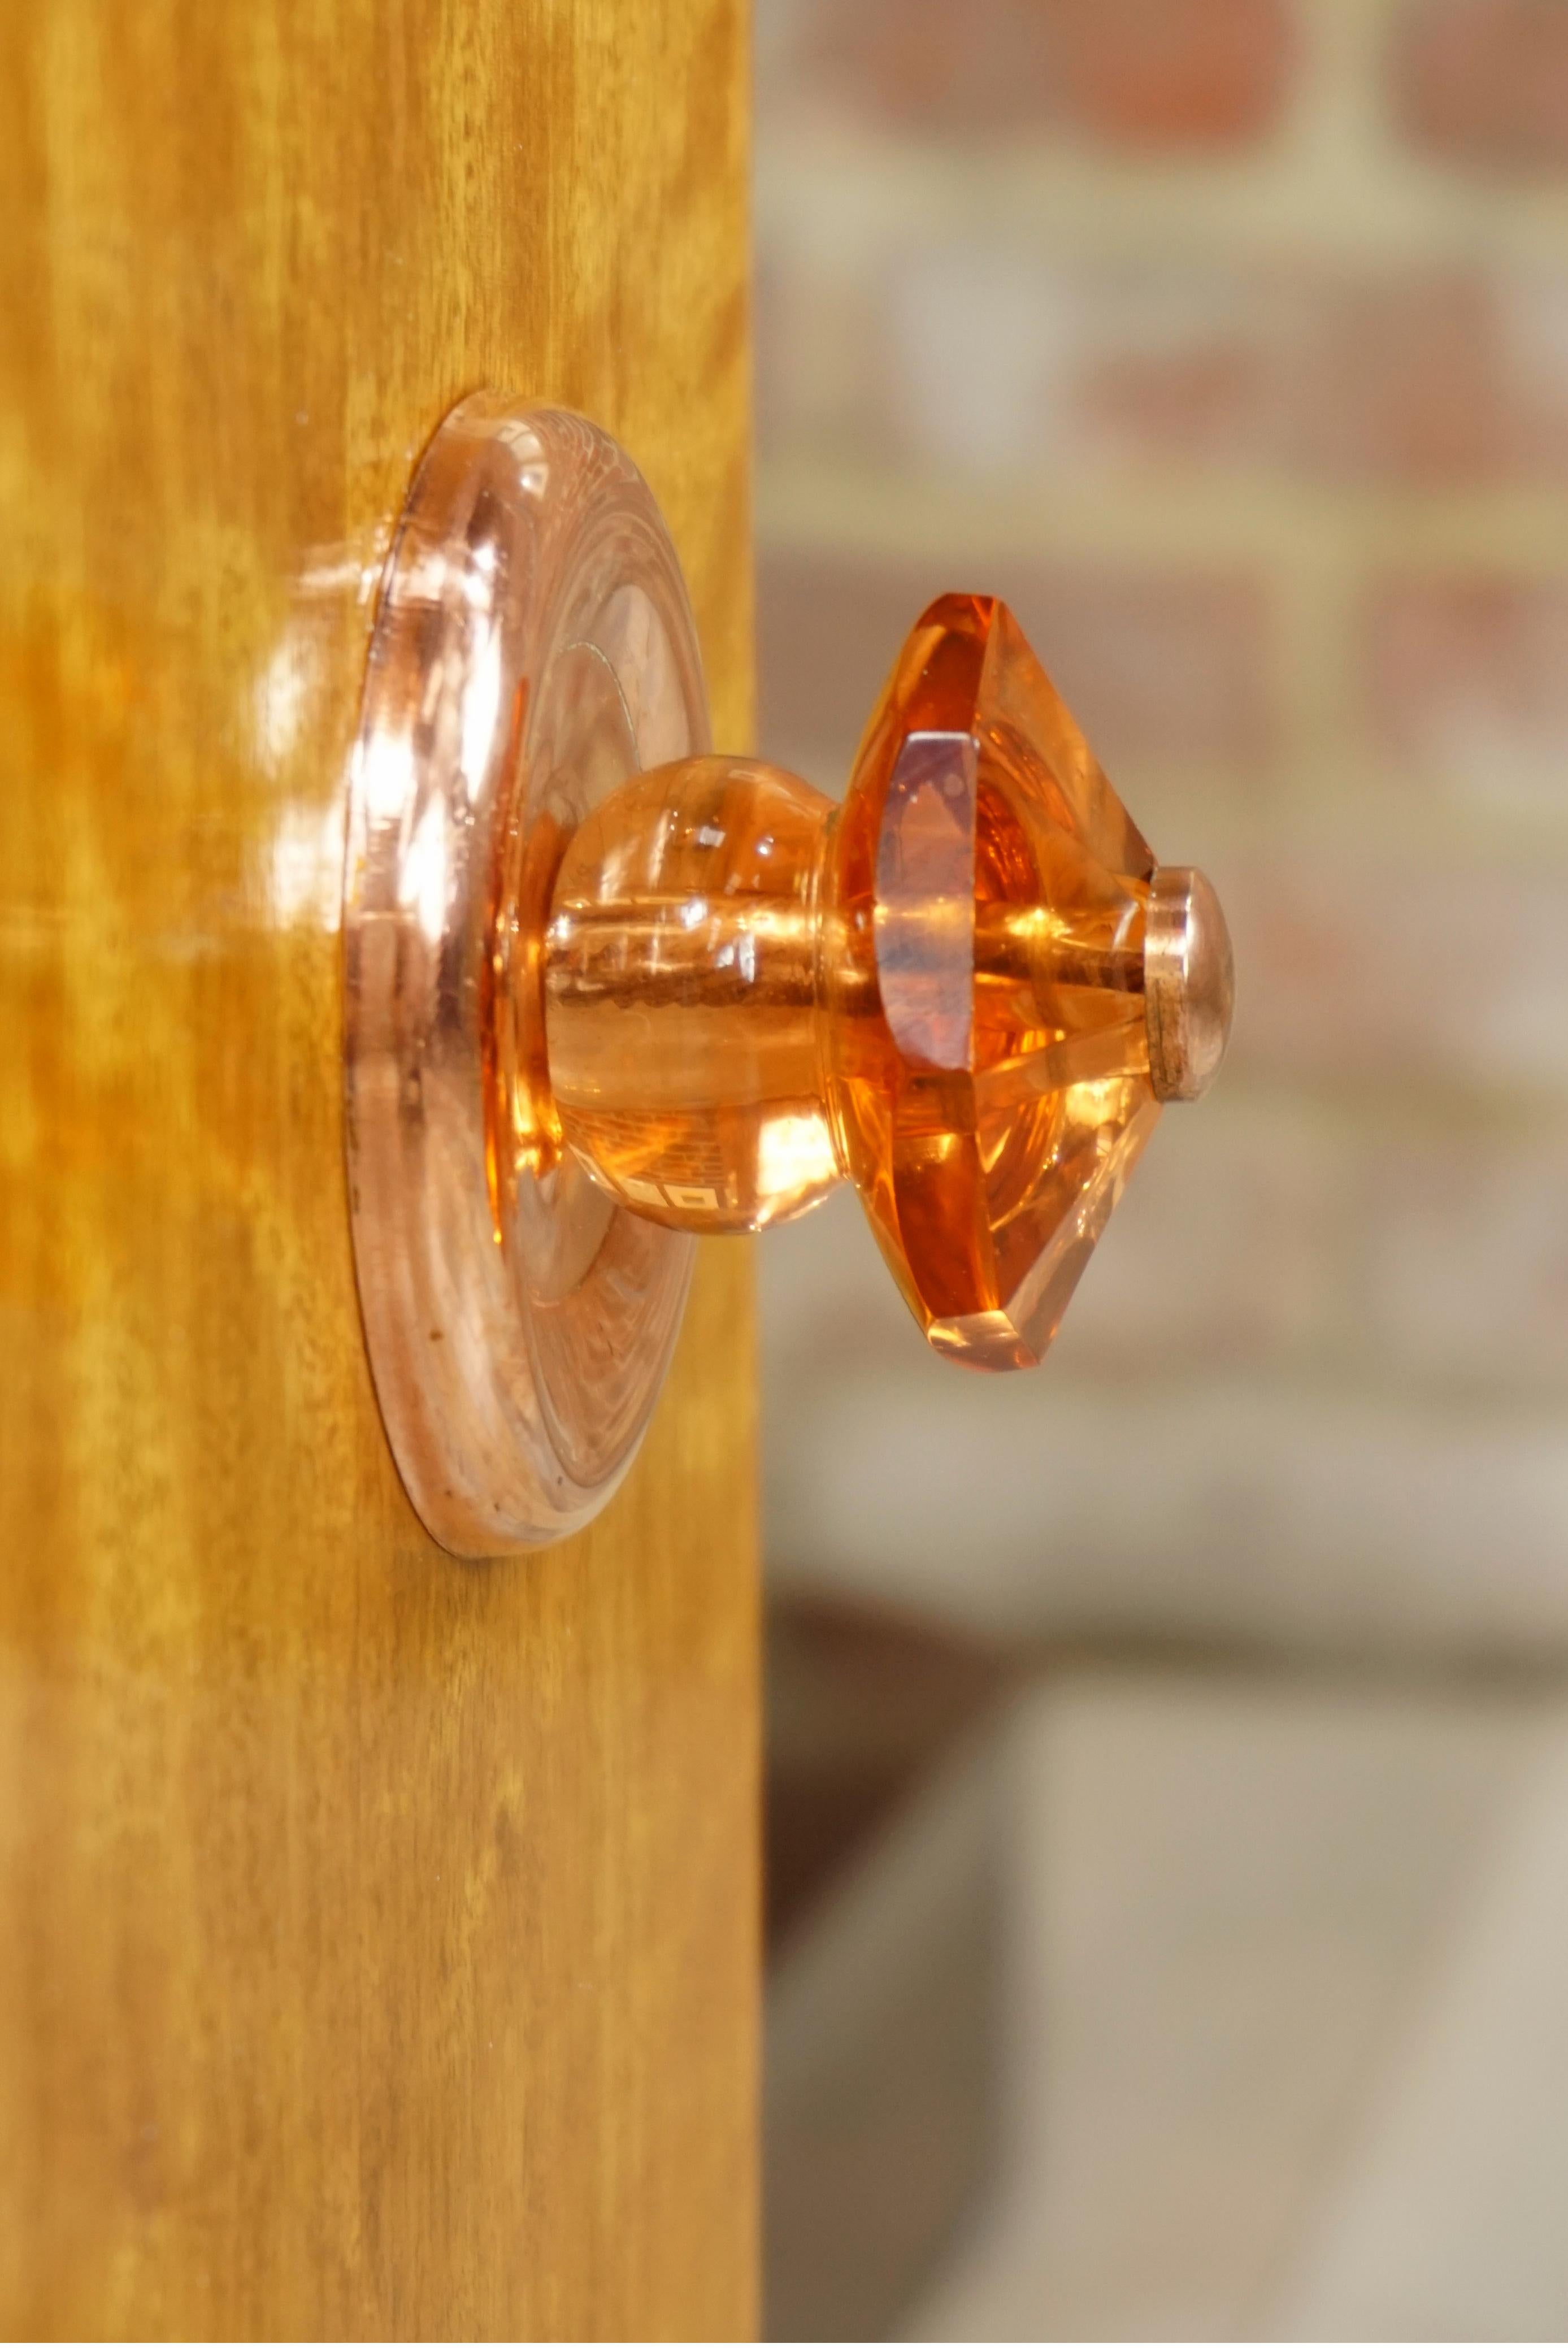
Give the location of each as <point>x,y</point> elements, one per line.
<point>1168,1750</point>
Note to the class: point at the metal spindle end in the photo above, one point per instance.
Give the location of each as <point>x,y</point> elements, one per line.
<point>1189,983</point>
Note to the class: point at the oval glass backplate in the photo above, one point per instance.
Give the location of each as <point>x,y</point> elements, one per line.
<point>533,645</point>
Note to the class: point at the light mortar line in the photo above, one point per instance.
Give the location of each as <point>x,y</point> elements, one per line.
<point>806,499</point>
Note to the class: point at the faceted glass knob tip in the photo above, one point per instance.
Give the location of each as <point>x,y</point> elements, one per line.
<point>968,990</point>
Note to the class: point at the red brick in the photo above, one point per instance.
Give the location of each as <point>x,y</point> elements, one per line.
<point>1239,1226</point>
<point>1173,73</point>
<point>1275,1226</point>
<point>1405,377</point>
<point>819,352</point>
<point>1467,683</point>
<point>1162,669</point>
<point>1145,74</point>
<point>1198,380</point>
<point>1486,81</point>
<point>928,66</point>
<point>1366,965</point>
<point>1458,1248</point>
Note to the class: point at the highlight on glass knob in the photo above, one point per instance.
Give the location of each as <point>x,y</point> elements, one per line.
<point>605,990</point>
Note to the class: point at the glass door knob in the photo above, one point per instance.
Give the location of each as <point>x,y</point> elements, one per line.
<point>698,994</point>
<point>967,990</point>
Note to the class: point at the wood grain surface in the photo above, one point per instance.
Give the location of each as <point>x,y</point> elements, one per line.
<point>378,1934</point>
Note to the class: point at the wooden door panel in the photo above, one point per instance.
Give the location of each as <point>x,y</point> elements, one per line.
<point>378,1934</point>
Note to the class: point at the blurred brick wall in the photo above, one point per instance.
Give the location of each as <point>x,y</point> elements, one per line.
<point>1229,340</point>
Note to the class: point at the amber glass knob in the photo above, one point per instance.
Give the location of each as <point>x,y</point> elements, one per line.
<point>967,990</point>
<point>602,990</point>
